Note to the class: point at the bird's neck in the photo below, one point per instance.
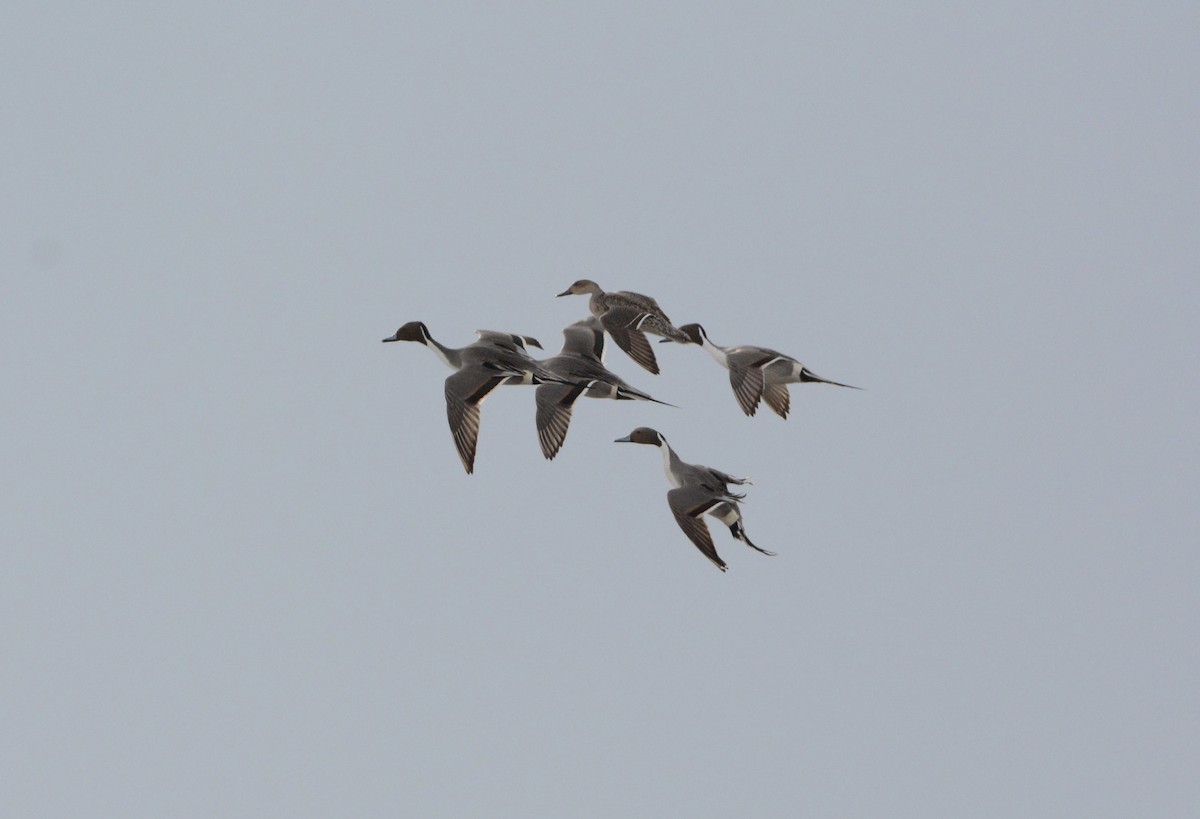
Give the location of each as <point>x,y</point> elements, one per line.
<point>716,352</point>
<point>670,464</point>
<point>449,356</point>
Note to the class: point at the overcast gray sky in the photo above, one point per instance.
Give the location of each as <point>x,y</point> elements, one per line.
<point>244,573</point>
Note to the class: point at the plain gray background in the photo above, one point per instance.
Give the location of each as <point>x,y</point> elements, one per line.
<point>244,573</point>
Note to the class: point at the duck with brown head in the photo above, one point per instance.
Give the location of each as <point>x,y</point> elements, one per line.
<point>758,373</point>
<point>494,360</point>
<point>699,491</point>
<point>627,317</point>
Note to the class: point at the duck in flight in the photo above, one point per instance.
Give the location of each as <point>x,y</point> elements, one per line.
<point>699,491</point>
<point>580,365</point>
<point>627,317</point>
<point>496,358</point>
<point>758,373</point>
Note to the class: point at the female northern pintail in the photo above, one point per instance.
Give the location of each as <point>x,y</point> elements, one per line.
<point>581,363</point>
<point>699,490</point>
<point>628,317</point>
<point>496,358</point>
<point>758,372</point>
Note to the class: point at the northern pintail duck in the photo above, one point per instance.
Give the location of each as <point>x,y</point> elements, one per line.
<point>758,372</point>
<point>699,490</point>
<point>581,363</point>
<point>496,358</point>
<point>628,317</point>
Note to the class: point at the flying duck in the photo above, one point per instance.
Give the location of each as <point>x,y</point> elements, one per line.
<point>699,490</point>
<point>627,317</point>
<point>581,366</point>
<point>495,359</point>
<point>758,372</point>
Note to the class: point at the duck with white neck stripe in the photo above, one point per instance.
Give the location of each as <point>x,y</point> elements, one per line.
<point>699,490</point>
<point>758,373</point>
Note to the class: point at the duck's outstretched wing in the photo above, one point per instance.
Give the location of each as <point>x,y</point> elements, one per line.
<point>584,339</point>
<point>465,391</point>
<point>554,405</point>
<point>688,504</point>
<point>623,324</point>
<point>778,398</point>
<point>747,383</point>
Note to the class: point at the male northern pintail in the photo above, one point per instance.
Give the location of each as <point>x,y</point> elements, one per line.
<point>496,358</point>
<point>581,363</point>
<point>628,317</point>
<point>699,490</point>
<point>757,372</point>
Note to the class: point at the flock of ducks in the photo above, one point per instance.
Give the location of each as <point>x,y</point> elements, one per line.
<point>757,374</point>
